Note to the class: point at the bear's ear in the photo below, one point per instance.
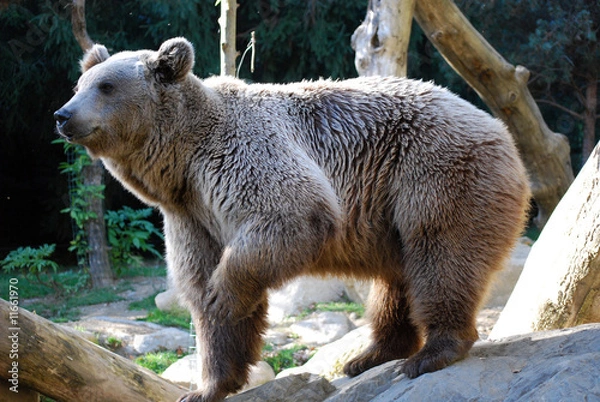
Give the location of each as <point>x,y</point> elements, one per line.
<point>95,55</point>
<point>173,61</point>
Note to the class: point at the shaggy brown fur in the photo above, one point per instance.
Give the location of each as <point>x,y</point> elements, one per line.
<point>391,179</point>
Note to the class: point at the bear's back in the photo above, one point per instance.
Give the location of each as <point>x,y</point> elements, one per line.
<point>385,145</point>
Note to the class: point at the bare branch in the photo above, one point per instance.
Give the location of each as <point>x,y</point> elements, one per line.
<point>79,25</point>
<point>561,107</point>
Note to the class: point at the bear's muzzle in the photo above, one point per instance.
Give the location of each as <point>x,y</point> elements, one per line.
<point>62,117</point>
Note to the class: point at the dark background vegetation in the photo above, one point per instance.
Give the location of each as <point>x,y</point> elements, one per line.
<point>296,39</point>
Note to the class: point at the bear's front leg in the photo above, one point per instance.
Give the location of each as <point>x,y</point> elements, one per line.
<point>231,292</point>
<point>226,350</point>
<point>265,253</point>
<point>230,310</point>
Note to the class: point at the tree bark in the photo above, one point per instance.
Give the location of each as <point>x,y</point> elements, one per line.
<point>381,41</point>
<point>61,364</point>
<point>504,89</point>
<point>79,25</point>
<point>227,22</point>
<point>560,283</point>
<point>589,118</point>
<point>95,229</point>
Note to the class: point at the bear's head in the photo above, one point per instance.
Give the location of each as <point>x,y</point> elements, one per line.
<point>116,97</point>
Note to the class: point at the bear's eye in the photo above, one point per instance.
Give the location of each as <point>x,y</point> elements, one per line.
<point>106,87</point>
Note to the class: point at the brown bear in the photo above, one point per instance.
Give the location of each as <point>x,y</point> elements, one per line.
<point>385,178</point>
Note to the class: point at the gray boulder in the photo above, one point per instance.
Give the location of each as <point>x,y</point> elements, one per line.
<point>560,365</point>
<point>168,300</point>
<point>163,339</point>
<point>300,294</point>
<point>322,328</point>
<point>186,373</point>
<point>295,388</point>
<point>330,359</point>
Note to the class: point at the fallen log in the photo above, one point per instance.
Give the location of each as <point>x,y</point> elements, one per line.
<point>57,362</point>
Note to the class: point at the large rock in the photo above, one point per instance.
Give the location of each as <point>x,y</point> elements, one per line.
<point>357,290</point>
<point>186,372</point>
<point>297,388</point>
<point>330,359</point>
<point>168,300</point>
<point>554,366</point>
<point>163,339</point>
<point>135,337</point>
<point>560,365</point>
<point>300,294</point>
<point>322,328</point>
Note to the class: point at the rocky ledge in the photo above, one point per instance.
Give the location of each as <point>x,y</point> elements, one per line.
<point>561,365</point>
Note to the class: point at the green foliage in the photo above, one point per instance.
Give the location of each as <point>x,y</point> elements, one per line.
<point>129,230</point>
<point>179,319</point>
<point>342,306</point>
<point>158,362</point>
<point>54,311</point>
<point>565,40</point>
<point>339,306</point>
<point>36,263</point>
<point>81,195</point>
<point>33,260</point>
<point>144,304</point>
<point>29,286</point>
<point>147,270</point>
<point>65,308</point>
<point>284,358</point>
<point>112,343</point>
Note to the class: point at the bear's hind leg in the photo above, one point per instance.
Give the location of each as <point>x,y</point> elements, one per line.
<point>446,287</point>
<point>394,335</point>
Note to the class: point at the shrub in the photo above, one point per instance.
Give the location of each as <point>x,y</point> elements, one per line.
<point>128,231</point>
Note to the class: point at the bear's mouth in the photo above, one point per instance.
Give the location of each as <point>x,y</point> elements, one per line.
<point>63,135</point>
<point>71,136</point>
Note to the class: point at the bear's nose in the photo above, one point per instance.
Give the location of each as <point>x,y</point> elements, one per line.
<point>62,116</point>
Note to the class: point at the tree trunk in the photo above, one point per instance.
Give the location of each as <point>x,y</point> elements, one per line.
<point>589,119</point>
<point>560,283</point>
<point>79,25</point>
<point>95,229</point>
<point>227,22</point>
<point>504,89</point>
<point>381,41</point>
<point>60,364</point>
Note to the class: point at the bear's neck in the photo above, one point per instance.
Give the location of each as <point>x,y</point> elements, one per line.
<point>157,172</point>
